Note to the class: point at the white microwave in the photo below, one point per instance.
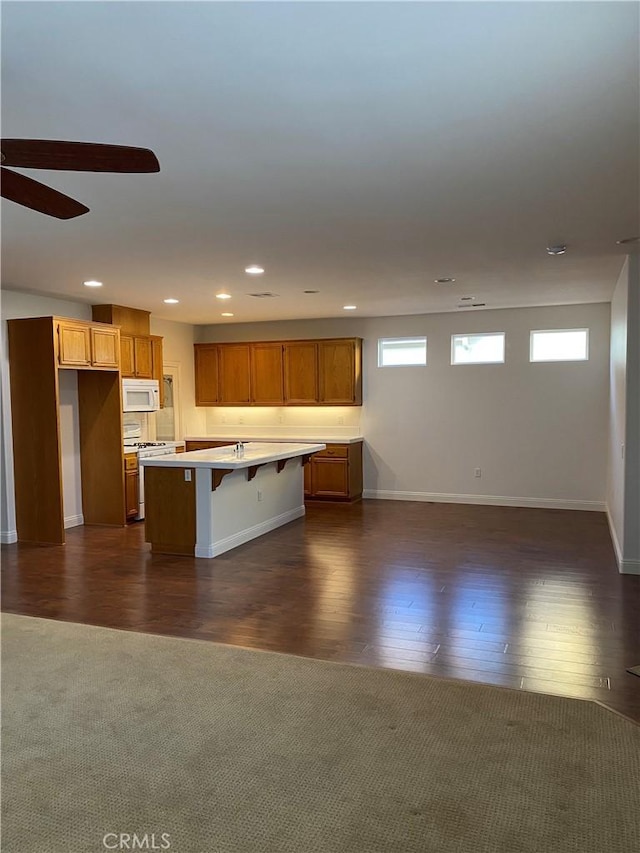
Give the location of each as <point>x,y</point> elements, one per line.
<point>140,395</point>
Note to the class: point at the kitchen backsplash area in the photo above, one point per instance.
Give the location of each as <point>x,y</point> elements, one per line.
<point>277,419</point>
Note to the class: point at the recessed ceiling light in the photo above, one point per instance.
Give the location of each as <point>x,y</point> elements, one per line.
<point>628,240</point>
<point>466,298</point>
<point>92,283</point>
<point>349,307</point>
<point>311,291</point>
<point>556,250</point>
<point>444,280</point>
<point>226,314</point>
<point>172,301</point>
<point>478,305</point>
<point>223,296</point>
<point>254,270</point>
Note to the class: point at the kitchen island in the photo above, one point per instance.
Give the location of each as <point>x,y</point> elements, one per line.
<point>205,502</point>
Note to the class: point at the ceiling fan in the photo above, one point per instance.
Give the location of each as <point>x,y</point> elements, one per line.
<point>71,156</point>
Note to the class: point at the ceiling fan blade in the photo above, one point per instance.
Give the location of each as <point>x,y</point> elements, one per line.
<point>77,156</point>
<point>37,196</point>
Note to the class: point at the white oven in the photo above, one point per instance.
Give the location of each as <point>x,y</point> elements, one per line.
<point>140,395</point>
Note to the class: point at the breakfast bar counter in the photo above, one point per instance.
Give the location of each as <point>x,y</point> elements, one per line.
<point>205,502</point>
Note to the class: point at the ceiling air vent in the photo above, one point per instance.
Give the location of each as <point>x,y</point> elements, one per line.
<point>264,295</point>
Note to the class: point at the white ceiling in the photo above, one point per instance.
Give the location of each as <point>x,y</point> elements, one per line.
<point>357,149</point>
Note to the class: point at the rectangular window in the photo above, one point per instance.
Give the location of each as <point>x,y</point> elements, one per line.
<point>487,348</point>
<point>559,345</point>
<point>394,352</point>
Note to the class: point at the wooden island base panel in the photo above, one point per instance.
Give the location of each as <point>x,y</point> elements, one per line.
<point>206,502</point>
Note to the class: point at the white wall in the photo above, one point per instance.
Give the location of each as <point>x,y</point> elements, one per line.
<point>631,543</point>
<point>537,431</point>
<point>617,410</point>
<point>623,457</point>
<point>70,447</point>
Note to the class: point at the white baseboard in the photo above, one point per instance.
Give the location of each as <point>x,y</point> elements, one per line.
<point>73,521</point>
<point>243,536</point>
<point>488,500</point>
<point>614,538</point>
<point>625,567</point>
<point>8,537</point>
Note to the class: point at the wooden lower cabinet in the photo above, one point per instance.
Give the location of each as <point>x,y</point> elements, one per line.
<point>206,445</point>
<point>131,485</point>
<point>335,473</point>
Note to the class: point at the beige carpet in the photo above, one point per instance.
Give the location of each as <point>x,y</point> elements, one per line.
<point>233,751</point>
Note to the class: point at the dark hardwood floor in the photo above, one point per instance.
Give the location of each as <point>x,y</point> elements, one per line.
<point>524,598</point>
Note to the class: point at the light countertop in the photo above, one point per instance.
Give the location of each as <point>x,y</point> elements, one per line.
<point>255,453</point>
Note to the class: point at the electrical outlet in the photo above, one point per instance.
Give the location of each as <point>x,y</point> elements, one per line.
<point>477,472</point>
<point>340,421</point>
<point>224,419</point>
<point>240,420</point>
<point>280,419</point>
<point>259,494</point>
<point>187,475</point>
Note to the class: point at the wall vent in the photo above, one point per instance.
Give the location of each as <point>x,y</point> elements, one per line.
<point>265,295</point>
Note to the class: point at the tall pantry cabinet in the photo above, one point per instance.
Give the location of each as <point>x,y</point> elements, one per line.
<point>38,349</point>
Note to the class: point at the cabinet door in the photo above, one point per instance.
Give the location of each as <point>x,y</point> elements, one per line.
<point>105,346</point>
<point>234,374</point>
<point>142,356</point>
<point>206,374</point>
<point>131,484</point>
<point>330,478</point>
<point>266,374</point>
<point>74,345</point>
<point>157,364</point>
<point>301,373</point>
<point>339,372</point>
<point>127,366</point>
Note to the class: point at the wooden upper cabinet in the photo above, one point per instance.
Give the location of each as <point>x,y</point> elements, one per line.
<point>74,345</point>
<point>266,374</point>
<point>340,372</point>
<point>127,365</point>
<point>136,356</point>
<point>206,374</point>
<point>143,357</point>
<point>105,346</point>
<point>157,364</point>
<point>276,373</point>
<point>132,321</point>
<point>234,374</point>
<point>87,345</point>
<point>301,373</point>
